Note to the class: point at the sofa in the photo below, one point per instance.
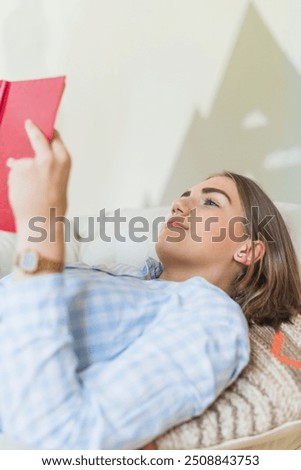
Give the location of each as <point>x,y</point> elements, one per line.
<point>262,409</point>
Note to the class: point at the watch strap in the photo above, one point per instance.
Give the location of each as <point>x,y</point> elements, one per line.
<point>46,264</point>
<point>43,264</point>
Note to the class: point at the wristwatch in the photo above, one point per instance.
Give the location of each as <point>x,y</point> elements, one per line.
<point>31,262</point>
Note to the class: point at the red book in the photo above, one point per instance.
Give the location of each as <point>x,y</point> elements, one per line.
<point>37,100</point>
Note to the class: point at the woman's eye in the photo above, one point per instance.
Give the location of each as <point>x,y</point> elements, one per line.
<point>210,202</point>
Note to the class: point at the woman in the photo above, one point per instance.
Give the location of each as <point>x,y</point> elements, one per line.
<point>112,359</point>
<point>261,273</point>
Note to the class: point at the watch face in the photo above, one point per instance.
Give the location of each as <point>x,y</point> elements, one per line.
<point>29,261</point>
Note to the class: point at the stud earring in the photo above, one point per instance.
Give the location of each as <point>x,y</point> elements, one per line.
<point>240,255</point>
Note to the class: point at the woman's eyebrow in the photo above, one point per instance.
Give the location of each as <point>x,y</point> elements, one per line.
<point>216,190</point>
<point>186,194</point>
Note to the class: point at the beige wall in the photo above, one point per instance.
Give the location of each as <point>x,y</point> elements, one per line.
<point>162,92</point>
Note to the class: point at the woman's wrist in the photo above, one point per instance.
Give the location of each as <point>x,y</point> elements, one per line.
<point>51,247</point>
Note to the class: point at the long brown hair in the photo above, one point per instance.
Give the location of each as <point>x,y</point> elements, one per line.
<point>269,290</point>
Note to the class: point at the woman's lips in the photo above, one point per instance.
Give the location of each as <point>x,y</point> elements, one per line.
<point>176,222</point>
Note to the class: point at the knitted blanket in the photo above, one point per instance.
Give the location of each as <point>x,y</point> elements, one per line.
<point>266,394</point>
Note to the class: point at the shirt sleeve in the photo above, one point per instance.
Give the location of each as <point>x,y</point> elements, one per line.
<point>162,379</point>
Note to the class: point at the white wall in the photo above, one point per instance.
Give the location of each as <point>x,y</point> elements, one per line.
<point>137,72</point>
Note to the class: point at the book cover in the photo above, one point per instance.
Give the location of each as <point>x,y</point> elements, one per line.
<point>37,100</point>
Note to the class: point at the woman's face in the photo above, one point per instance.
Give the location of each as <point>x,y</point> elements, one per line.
<point>205,227</point>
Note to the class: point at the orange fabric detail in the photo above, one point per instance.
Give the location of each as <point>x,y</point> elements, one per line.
<point>150,446</point>
<point>276,348</point>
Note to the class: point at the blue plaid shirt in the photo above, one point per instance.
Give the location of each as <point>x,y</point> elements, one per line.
<point>99,359</point>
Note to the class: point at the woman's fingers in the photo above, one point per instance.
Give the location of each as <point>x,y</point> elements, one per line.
<point>11,162</point>
<point>59,149</point>
<point>19,163</point>
<point>39,143</point>
<point>45,153</point>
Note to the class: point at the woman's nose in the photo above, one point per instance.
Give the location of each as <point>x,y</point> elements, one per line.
<point>181,206</point>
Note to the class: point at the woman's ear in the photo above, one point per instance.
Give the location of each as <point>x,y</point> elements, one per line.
<point>244,254</point>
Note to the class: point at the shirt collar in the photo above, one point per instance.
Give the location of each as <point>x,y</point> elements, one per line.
<point>152,268</point>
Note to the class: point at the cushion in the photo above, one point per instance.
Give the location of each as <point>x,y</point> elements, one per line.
<point>124,248</point>
<point>292,216</point>
<point>7,252</point>
<point>266,396</point>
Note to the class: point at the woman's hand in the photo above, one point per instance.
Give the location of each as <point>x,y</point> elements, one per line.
<point>37,184</point>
